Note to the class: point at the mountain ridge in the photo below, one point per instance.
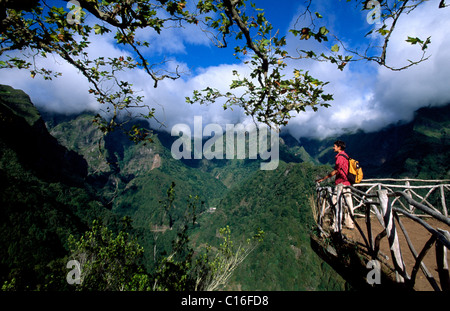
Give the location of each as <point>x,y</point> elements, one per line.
<point>81,175</point>
<point>246,187</point>
<point>43,197</point>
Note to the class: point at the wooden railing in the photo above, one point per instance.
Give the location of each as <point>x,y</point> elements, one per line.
<point>391,201</point>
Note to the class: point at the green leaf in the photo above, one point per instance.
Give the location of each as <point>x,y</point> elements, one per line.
<point>324,31</point>
<point>383,31</point>
<point>99,30</point>
<point>335,48</point>
<point>265,42</point>
<point>414,40</point>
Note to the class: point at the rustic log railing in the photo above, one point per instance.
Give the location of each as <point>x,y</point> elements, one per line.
<point>389,201</point>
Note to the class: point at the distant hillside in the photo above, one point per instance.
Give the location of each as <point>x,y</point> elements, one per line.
<point>43,197</point>
<point>278,202</point>
<point>119,157</point>
<point>243,196</point>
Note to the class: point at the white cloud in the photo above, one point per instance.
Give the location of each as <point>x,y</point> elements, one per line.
<point>374,97</point>
<point>170,96</point>
<point>66,94</point>
<point>400,93</point>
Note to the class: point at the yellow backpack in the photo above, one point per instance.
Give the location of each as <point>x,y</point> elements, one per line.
<point>355,173</point>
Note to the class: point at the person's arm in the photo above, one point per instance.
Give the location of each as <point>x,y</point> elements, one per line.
<point>334,172</point>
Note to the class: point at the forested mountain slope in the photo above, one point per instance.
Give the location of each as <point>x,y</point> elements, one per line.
<point>242,195</point>
<point>59,174</point>
<point>43,197</point>
<point>278,202</point>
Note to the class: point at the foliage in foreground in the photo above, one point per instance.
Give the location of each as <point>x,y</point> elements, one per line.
<point>104,261</point>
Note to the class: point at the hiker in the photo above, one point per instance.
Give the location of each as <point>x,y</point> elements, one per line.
<point>340,171</point>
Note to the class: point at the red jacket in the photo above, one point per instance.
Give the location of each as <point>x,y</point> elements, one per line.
<point>342,169</point>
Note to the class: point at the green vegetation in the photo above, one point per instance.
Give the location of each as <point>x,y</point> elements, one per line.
<point>106,262</point>
<point>277,203</point>
<point>49,192</point>
<point>103,261</point>
<point>38,208</point>
<point>47,221</point>
<point>145,221</point>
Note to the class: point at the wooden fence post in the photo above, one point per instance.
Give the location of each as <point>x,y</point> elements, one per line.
<point>391,231</point>
<point>442,263</point>
<point>408,193</point>
<point>444,206</point>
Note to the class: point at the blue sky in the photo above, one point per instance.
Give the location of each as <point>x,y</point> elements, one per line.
<point>338,16</point>
<point>367,96</point>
